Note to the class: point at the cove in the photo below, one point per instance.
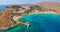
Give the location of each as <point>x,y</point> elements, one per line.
<point>38,23</point>
<point>43,22</point>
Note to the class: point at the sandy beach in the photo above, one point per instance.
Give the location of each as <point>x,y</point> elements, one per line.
<point>36,12</point>
<point>46,12</point>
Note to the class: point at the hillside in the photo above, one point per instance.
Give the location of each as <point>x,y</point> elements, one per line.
<point>50,6</point>
<point>5,16</point>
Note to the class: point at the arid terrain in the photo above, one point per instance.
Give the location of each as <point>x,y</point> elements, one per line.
<point>5,16</point>
<point>50,6</point>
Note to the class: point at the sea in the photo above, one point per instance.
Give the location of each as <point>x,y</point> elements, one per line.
<point>37,23</point>
<point>2,8</point>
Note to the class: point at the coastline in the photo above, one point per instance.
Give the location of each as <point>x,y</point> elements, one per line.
<point>45,12</point>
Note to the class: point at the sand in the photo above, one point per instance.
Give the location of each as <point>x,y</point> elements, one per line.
<point>46,12</point>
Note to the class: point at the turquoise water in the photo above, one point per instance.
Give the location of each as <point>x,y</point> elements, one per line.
<point>38,23</point>
<point>43,22</point>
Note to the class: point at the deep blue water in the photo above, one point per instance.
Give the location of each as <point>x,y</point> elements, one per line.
<point>2,7</point>
<point>38,23</point>
<point>43,22</point>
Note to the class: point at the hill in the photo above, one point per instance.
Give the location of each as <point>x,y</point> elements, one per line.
<point>50,6</point>
<point>5,16</point>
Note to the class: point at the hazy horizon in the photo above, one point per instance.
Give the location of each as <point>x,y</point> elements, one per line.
<point>13,2</point>
<point>3,3</point>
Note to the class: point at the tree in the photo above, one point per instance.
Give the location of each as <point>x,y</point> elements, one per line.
<point>38,8</point>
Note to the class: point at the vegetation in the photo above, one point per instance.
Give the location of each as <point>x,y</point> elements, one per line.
<point>8,15</point>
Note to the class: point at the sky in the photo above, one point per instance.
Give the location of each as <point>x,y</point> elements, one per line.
<point>11,2</point>
<point>14,2</point>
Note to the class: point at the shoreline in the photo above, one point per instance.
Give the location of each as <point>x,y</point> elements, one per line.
<point>46,12</point>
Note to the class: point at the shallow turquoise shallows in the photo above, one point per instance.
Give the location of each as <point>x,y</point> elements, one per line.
<point>38,23</point>
<point>43,22</point>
